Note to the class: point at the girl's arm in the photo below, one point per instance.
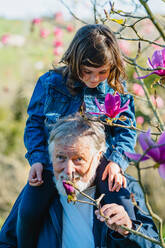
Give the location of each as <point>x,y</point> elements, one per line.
<point>124,139</point>
<point>34,135</point>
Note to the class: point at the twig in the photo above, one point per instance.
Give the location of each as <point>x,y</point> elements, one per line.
<point>95,203</point>
<point>155,216</point>
<point>152,18</point>
<point>71,12</point>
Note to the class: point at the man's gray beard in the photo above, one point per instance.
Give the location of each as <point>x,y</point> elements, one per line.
<point>80,184</point>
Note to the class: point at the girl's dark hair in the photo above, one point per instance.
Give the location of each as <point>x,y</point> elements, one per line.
<point>94,45</point>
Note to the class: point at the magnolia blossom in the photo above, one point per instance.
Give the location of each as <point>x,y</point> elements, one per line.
<point>58,33</point>
<point>57,43</point>
<point>68,188</point>
<point>44,33</point>
<point>59,16</point>
<point>140,120</point>
<point>58,51</point>
<point>70,28</point>
<point>157,153</point>
<point>5,39</point>
<point>157,47</point>
<point>36,21</point>
<point>138,90</point>
<point>158,101</point>
<point>125,47</point>
<point>158,59</point>
<point>111,106</point>
<point>70,191</point>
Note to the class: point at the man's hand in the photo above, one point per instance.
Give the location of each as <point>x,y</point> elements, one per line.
<point>115,178</point>
<point>35,175</point>
<point>116,215</point>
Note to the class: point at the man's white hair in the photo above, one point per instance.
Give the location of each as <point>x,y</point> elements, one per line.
<point>72,128</point>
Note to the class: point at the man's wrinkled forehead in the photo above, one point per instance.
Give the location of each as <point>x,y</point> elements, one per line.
<point>70,149</point>
<point>80,146</point>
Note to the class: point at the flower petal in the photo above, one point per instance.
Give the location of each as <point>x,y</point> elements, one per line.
<point>136,156</point>
<point>150,63</point>
<point>157,58</point>
<point>125,107</point>
<point>146,75</point>
<point>162,148</point>
<point>109,102</point>
<point>161,170</point>
<point>68,188</point>
<point>93,113</point>
<point>100,107</point>
<point>146,142</point>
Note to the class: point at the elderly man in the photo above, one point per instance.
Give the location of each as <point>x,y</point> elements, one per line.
<point>75,148</point>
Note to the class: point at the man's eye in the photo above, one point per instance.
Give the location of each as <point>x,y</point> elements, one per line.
<point>79,159</point>
<point>60,157</point>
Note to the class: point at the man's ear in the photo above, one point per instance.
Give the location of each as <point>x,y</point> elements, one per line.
<point>99,155</point>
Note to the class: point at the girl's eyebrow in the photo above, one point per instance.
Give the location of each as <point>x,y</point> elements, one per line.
<point>88,69</point>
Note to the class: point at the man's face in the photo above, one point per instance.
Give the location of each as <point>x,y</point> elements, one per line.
<point>75,157</point>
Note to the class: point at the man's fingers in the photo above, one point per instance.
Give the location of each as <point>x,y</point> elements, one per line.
<point>33,180</point>
<point>35,184</point>
<point>124,182</point>
<point>117,182</point>
<point>105,173</point>
<point>110,182</point>
<point>39,175</point>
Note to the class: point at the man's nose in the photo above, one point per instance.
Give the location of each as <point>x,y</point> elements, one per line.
<point>69,167</point>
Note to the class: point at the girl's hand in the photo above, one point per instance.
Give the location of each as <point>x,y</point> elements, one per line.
<point>116,215</point>
<point>115,178</point>
<point>35,175</point>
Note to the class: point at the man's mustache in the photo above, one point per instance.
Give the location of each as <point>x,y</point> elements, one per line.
<point>74,178</point>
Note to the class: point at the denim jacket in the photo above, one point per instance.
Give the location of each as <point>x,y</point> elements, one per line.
<point>52,100</point>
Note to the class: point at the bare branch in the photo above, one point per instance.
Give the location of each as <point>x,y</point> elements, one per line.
<point>71,12</point>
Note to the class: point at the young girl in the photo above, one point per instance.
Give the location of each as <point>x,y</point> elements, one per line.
<point>93,68</point>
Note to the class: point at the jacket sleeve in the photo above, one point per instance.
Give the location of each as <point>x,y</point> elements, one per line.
<point>124,138</point>
<point>143,221</point>
<point>34,134</point>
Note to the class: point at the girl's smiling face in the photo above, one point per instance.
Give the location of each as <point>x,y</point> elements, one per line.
<point>92,76</point>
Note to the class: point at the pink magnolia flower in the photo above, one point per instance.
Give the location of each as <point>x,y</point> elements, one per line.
<point>5,39</point>
<point>36,21</point>
<point>157,153</point>
<point>44,33</point>
<point>111,106</point>
<point>140,120</point>
<point>58,33</point>
<point>57,43</point>
<point>158,59</point>
<point>125,47</point>
<point>58,51</point>
<point>70,191</point>
<point>70,28</point>
<point>147,26</point>
<point>138,89</point>
<point>59,16</point>
<point>156,46</point>
<point>68,188</point>
<point>158,101</point>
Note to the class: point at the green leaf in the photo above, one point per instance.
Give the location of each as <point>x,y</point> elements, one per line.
<point>121,21</point>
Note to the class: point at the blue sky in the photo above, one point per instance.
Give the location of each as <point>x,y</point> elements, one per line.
<point>34,8</point>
